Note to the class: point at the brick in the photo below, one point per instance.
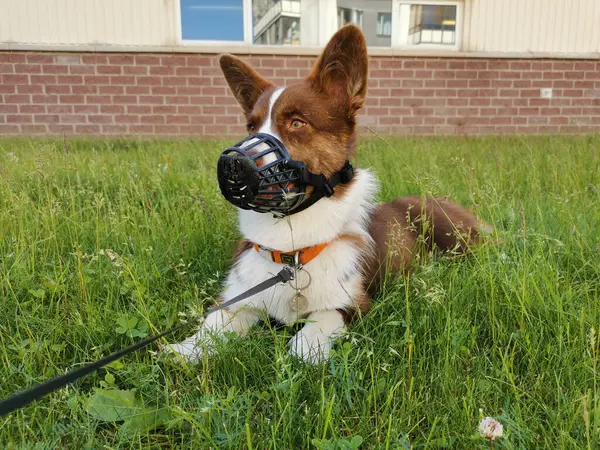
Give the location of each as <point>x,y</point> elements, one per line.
<point>71,99</point>
<point>173,60</point>
<point>112,109</point>
<point>57,89</point>
<point>175,119</point>
<point>164,109</point>
<point>114,129</point>
<point>123,80</point>
<point>135,70</point>
<point>33,129</point>
<point>7,68</point>
<point>86,109</point>
<point>61,129</point>
<point>10,109</point>
<point>55,69</point>
<point>137,90</point>
<point>29,89</point>
<point>46,118</point>
<point>111,90</point>
<point>162,70</point>
<point>177,81</point>
<point>391,82</point>
<point>520,65</point>
<point>87,129</point>
<point>127,118</point>
<point>100,118</point>
<point>19,98</point>
<point>39,58</point>
<point>139,109</point>
<point>146,60</point>
<point>152,119</point>
<point>195,110</point>
<point>15,79</point>
<point>30,109</point>
<point>124,99</point>
<point>414,64</point>
<point>97,99</point>
<point>94,59</point>
<point>82,70</point>
<point>149,81</point>
<point>59,109</point>
<point>199,60</point>
<point>84,89</point>
<point>72,118</point>
<point>151,99</point>
<point>45,99</point>
<point>121,60</point>
<point>96,79</point>
<point>28,68</point>
<point>141,129</point>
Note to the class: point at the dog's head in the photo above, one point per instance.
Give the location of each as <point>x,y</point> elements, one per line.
<point>316,118</point>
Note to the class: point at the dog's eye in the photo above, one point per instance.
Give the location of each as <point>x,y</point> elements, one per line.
<point>297,123</point>
<point>251,128</point>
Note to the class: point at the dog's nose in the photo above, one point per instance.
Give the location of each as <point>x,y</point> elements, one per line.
<point>263,160</point>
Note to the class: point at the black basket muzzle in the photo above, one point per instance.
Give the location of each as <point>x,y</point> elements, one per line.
<point>258,174</point>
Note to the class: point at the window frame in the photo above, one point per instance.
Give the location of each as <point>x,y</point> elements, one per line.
<point>401,16</point>
<point>352,10</point>
<point>247,23</point>
<point>383,24</point>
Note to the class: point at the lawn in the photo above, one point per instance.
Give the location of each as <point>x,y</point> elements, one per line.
<point>104,242</point>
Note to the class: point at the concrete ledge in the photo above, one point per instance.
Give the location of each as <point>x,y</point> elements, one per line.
<point>246,49</point>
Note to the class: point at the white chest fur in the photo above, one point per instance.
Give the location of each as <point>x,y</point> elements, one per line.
<point>335,273</point>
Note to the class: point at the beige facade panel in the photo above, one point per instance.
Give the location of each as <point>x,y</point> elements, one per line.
<point>552,27</point>
<point>88,22</point>
<point>534,26</point>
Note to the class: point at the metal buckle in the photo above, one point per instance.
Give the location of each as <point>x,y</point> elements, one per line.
<point>290,260</point>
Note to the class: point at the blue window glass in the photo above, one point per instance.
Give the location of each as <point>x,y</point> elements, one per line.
<point>212,20</point>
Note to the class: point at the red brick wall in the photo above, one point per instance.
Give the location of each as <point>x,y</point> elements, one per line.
<point>185,95</point>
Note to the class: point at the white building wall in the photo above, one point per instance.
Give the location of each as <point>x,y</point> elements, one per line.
<point>495,26</point>
<point>540,26</point>
<point>84,22</point>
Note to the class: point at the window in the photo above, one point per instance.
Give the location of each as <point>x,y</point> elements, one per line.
<point>373,16</point>
<point>212,20</point>
<point>349,15</point>
<point>276,22</point>
<point>427,23</point>
<point>384,24</point>
<point>432,24</point>
<point>272,22</point>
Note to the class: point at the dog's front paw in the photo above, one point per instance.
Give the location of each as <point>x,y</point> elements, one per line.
<point>312,346</point>
<point>190,350</point>
<point>313,343</point>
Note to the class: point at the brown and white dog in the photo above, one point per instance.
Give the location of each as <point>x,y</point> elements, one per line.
<point>348,242</point>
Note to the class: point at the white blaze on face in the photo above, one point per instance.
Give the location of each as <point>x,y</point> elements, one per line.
<point>268,127</point>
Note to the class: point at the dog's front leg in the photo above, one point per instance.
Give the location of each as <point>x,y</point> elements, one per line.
<point>314,341</point>
<point>213,329</point>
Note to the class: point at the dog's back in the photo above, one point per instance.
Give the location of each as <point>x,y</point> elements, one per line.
<point>398,226</point>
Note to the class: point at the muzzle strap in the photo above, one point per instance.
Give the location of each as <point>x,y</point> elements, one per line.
<point>324,187</point>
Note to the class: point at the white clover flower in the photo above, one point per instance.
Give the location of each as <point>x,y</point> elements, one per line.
<point>490,428</point>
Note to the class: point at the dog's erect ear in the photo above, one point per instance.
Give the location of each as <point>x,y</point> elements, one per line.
<point>245,83</point>
<point>341,71</point>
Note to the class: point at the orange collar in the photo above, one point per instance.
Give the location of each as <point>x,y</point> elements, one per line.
<point>301,256</point>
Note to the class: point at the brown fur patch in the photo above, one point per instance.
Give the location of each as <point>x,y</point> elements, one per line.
<point>395,227</point>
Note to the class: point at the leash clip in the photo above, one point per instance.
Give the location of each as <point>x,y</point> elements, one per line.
<point>286,274</point>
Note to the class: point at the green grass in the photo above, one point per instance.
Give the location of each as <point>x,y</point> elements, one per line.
<point>116,232</point>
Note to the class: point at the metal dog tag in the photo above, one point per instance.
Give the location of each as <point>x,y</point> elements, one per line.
<point>299,303</point>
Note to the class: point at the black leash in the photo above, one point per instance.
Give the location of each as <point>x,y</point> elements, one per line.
<point>23,398</point>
